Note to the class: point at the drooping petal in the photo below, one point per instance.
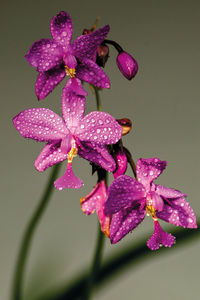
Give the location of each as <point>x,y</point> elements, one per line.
<point>68,180</point>
<point>99,127</point>
<point>97,154</point>
<point>160,237</point>
<point>62,29</point>
<point>167,192</point>
<point>88,203</point>
<point>121,164</point>
<point>73,103</point>
<point>90,72</point>
<point>124,221</point>
<point>47,81</point>
<point>149,169</point>
<point>50,155</point>
<point>40,124</point>
<point>122,192</point>
<point>179,213</point>
<point>44,54</point>
<point>85,46</point>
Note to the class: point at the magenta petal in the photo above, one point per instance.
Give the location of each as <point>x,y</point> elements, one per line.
<point>40,124</point>
<point>160,237</point>
<point>50,155</point>
<point>122,192</point>
<point>167,192</point>
<point>68,180</point>
<point>88,203</point>
<point>149,169</point>
<point>179,213</point>
<point>47,81</point>
<point>44,55</point>
<point>62,29</point>
<point>90,72</point>
<point>157,201</point>
<point>123,222</point>
<point>86,45</point>
<point>101,199</point>
<point>121,164</point>
<point>73,103</point>
<point>99,127</point>
<point>97,154</point>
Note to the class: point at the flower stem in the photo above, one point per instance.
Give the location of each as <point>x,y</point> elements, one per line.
<point>28,235</point>
<point>98,100</point>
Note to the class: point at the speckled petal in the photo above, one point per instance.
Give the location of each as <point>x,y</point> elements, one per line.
<point>47,81</point>
<point>62,29</point>
<point>73,103</point>
<point>44,54</point>
<point>160,237</point>
<point>122,192</point>
<point>123,222</point>
<point>88,203</point>
<point>85,46</point>
<point>148,170</point>
<point>168,192</point>
<point>40,124</point>
<point>121,164</point>
<point>97,154</point>
<point>99,127</point>
<point>179,213</point>
<point>101,199</point>
<point>90,72</point>
<point>50,155</point>
<point>68,180</point>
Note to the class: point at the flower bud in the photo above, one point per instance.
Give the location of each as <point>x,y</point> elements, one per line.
<point>126,125</point>
<point>127,65</point>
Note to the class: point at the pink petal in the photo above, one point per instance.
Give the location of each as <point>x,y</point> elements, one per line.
<point>179,213</point>
<point>47,81</point>
<point>44,54</point>
<point>101,199</point>
<point>50,155</point>
<point>160,237</point>
<point>40,124</point>
<point>149,169</point>
<point>168,192</point>
<point>157,201</point>
<point>90,72</point>
<point>85,46</point>
<point>68,180</point>
<point>121,164</point>
<point>73,103</point>
<point>99,127</point>
<point>62,29</point>
<point>122,192</point>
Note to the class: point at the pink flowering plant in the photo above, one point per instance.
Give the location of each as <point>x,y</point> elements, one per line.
<point>98,138</point>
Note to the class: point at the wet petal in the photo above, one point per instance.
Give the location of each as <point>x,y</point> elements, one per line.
<point>122,192</point>
<point>90,72</point>
<point>47,81</point>
<point>121,164</point>
<point>88,203</point>
<point>157,201</point>
<point>73,103</point>
<point>62,29</point>
<point>97,154</point>
<point>68,180</point>
<point>50,155</point>
<point>168,192</point>
<point>149,169</point>
<point>160,237</point>
<point>179,213</point>
<point>99,127</point>
<point>101,199</point>
<point>44,54</point>
<point>123,222</point>
<point>85,46</point>
<point>40,124</point>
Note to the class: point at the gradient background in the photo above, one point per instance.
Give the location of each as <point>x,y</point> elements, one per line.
<point>162,101</point>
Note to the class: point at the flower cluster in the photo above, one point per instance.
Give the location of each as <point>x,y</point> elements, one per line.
<point>96,137</point>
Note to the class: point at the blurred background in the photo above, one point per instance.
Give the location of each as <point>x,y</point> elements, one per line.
<point>163,103</point>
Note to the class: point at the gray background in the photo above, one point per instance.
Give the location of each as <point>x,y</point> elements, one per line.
<point>162,101</point>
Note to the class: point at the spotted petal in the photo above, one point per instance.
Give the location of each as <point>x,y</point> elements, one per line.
<point>124,221</point>
<point>62,29</point>
<point>179,213</point>
<point>90,72</point>
<point>40,124</point>
<point>122,192</point>
<point>85,46</point>
<point>44,54</point>
<point>99,127</point>
<point>167,192</point>
<point>48,80</point>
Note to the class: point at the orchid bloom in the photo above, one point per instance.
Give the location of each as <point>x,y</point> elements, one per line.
<point>73,134</point>
<point>55,58</point>
<point>129,200</point>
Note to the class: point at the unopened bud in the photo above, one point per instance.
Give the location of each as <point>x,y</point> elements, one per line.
<point>127,65</point>
<point>126,125</point>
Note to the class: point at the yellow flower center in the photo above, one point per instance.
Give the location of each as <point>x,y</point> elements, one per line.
<point>150,209</point>
<point>70,72</point>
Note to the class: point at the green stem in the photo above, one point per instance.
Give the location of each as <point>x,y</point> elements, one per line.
<point>98,100</point>
<point>28,235</point>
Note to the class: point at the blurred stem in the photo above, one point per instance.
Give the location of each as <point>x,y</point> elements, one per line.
<point>28,235</point>
<point>98,100</point>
